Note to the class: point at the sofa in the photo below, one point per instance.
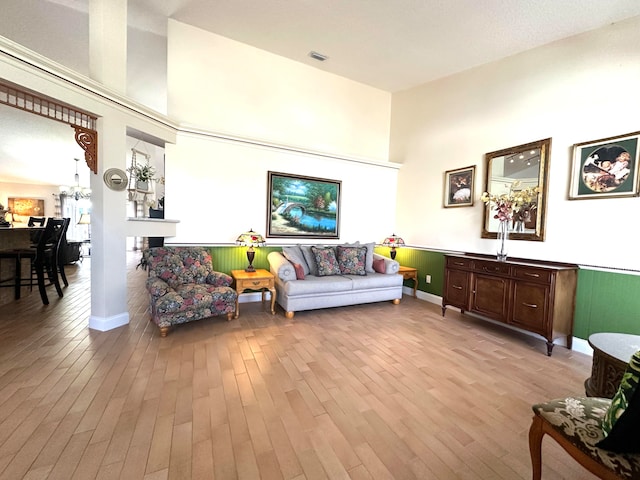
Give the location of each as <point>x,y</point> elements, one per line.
<point>183,286</point>
<point>310,277</point>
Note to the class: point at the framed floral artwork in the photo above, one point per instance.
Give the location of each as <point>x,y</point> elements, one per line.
<point>302,207</point>
<point>458,187</point>
<point>605,168</point>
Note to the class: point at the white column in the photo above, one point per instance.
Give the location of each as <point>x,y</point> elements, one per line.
<point>108,43</point>
<point>108,236</point>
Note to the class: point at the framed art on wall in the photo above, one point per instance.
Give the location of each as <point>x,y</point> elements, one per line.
<point>605,168</point>
<point>302,207</point>
<point>458,187</point>
<point>26,207</point>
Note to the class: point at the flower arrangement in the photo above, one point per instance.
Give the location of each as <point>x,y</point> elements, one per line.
<point>508,203</point>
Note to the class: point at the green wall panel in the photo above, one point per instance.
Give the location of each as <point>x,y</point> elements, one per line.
<point>605,301</point>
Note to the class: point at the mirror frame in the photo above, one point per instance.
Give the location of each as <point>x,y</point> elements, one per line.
<point>543,180</point>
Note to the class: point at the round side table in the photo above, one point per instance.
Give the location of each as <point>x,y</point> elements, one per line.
<point>611,355</point>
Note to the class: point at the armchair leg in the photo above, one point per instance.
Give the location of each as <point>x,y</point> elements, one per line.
<point>396,301</point>
<point>230,316</point>
<point>164,331</point>
<point>535,447</point>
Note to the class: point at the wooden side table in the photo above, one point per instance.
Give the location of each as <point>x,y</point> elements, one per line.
<point>611,355</point>
<point>409,273</point>
<point>261,280</point>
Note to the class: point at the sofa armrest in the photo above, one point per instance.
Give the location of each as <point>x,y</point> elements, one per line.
<point>157,287</point>
<point>281,267</point>
<point>219,279</point>
<point>390,266</point>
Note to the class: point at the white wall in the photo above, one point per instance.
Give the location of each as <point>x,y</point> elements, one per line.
<point>218,188</point>
<point>575,90</point>
<point>221,85</point>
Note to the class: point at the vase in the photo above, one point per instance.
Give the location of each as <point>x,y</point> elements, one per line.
<point>503,236</point>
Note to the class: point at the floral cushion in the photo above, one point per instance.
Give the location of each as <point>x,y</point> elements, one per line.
<point>351,260</point>
<point>621,423</point>
<point>579,420</point>
<point>326,261</point>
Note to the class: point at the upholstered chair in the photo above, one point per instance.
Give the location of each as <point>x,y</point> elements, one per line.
<point>601,434</point>
<point>183,286</point>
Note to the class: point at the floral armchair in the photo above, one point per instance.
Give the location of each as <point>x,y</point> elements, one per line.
<point>184,287</point>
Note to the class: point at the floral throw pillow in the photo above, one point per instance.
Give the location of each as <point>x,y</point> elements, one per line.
<point>326,261</point>
<point>351,260</point>
<point>622,421</point>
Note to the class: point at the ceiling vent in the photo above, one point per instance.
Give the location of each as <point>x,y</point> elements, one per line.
<point>317,56</point>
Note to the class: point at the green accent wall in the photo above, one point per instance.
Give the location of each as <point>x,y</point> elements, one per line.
<point>605,301</point>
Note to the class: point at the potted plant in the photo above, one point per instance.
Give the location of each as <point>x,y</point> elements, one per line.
<point>143,174</point>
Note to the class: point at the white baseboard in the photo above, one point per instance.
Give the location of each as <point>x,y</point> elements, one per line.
<point>108,323</point>
<point>578,345</point>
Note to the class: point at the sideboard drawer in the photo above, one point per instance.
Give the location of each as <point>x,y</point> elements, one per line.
<point>456,262</point>
<point>494,268</point>
<point>533,274</point>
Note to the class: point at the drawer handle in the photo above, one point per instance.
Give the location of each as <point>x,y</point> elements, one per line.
<point>257,282</point>
<point>459,263</point>
<point>492,269</point>
<point>535,275</point>
<point>457,287</point>
<point>532,305</point>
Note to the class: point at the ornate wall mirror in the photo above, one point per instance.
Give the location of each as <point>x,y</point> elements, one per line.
<point>529,165</point>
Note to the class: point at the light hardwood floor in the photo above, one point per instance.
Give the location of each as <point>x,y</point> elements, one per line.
<point>367,392</point>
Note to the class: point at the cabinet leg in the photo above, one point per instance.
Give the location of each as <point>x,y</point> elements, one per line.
<point>549,348</point>
<point>444,309</point>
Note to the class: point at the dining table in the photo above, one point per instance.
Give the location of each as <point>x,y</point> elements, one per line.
<point>13,239</point>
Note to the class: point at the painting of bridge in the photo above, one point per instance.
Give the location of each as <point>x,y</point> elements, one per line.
<point>300,206</point>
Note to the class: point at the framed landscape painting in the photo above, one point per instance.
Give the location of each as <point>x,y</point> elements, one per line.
<point>605,168</point>
<point>302,207</point>
<point>458,187</point>
<point>26,207</point>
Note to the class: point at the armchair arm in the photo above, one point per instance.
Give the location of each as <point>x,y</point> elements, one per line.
<point>157,287</point>
<point>281,267</point>
<point>390,266</point>
<point>219,279</point>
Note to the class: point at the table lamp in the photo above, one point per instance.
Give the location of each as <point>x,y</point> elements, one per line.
<point>250,239</point>
<point>393,242</point>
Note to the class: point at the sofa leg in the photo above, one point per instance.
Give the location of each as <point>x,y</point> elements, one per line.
<point>396,301</point>
<point>164,331</point>
<point>230,316</point>
<point>289,314</point>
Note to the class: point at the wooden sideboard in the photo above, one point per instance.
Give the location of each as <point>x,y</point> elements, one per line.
<point>531,295</point>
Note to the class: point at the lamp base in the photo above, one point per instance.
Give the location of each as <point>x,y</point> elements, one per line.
<point>250,256</point>
<point>393,253</point>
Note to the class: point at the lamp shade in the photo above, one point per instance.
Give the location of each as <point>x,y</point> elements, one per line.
<point>250,239</point>
<point>85,219</point>
<point>393,241</point>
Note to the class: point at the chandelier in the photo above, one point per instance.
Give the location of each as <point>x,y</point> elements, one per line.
<point>75,191</point>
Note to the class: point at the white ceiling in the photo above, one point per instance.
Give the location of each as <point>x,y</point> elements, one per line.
<point>389,44</point>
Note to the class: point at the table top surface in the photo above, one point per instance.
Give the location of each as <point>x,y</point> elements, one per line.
<point>259,273</point>
<point>617,345</point>
<point>407,269</point>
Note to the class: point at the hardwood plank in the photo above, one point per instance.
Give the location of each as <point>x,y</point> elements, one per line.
<point>364,392</point>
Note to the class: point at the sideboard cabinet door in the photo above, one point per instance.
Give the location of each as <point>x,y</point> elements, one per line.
<point>457,288</point>
<point>490,296</point>
<point>530,307</point>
